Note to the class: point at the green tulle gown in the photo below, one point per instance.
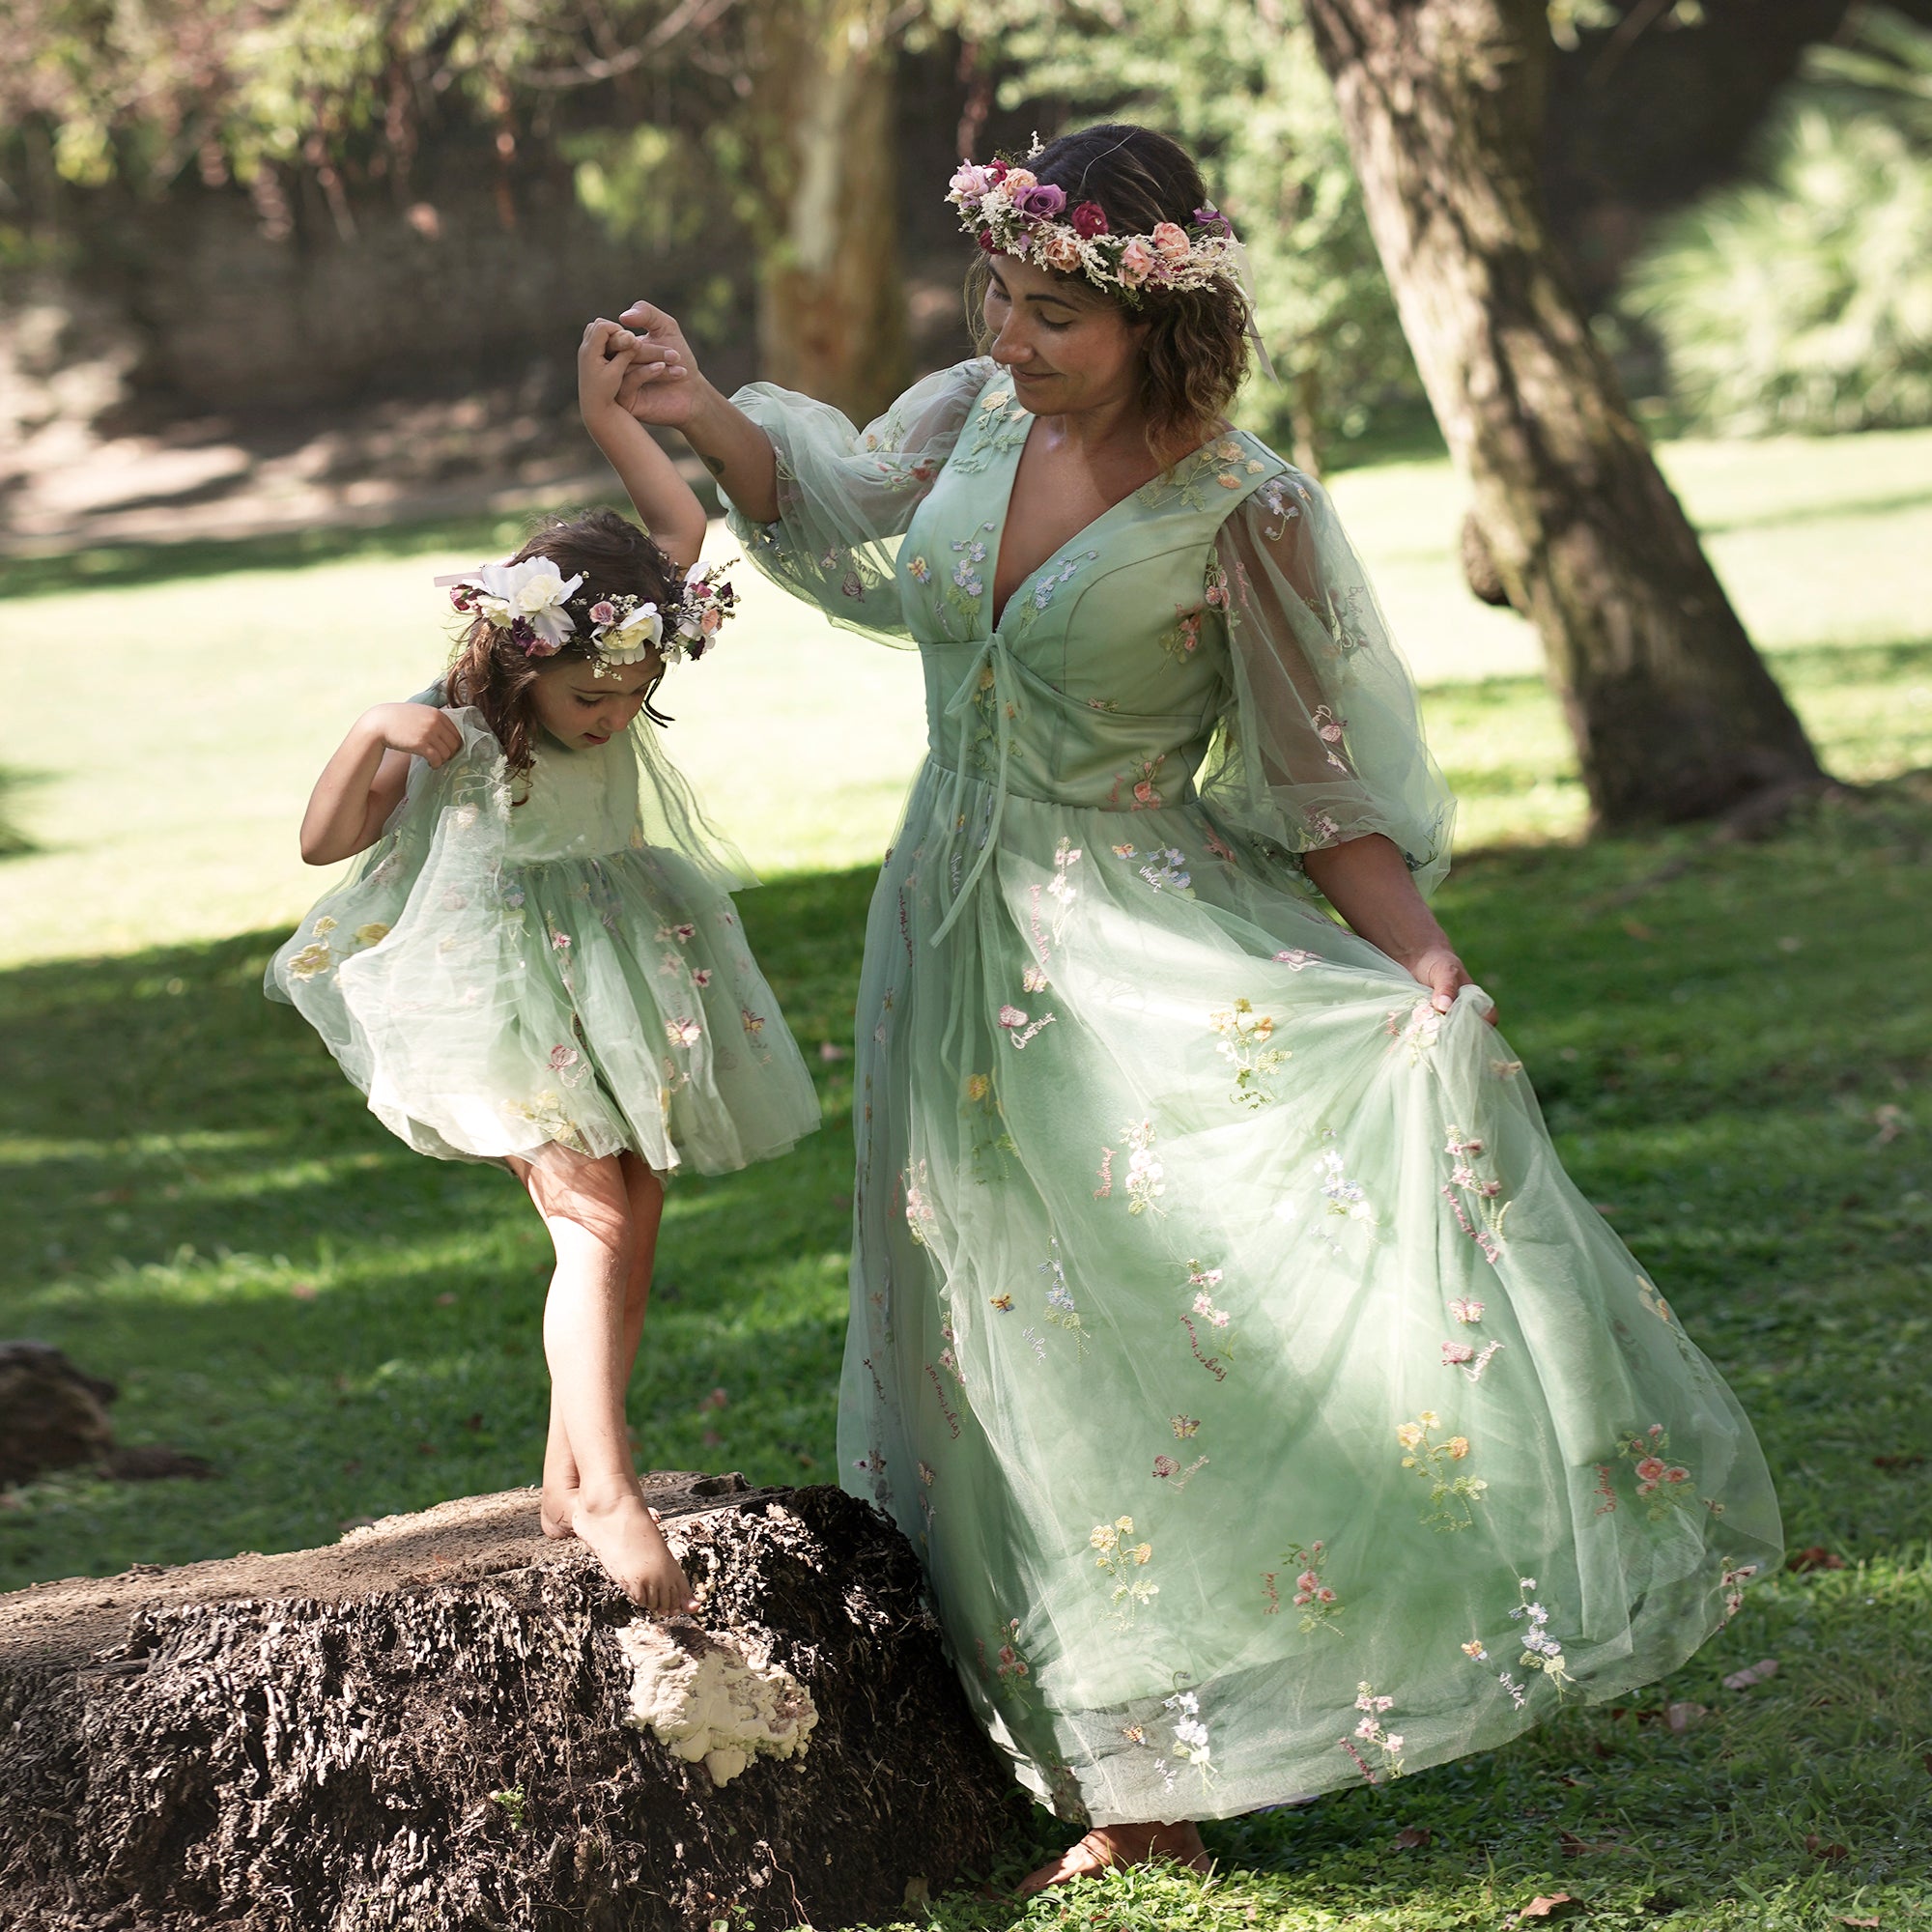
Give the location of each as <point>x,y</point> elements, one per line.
<point>552,963</point>
<point>1268,1406</point>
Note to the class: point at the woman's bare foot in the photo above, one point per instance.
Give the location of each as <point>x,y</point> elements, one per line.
<point>555,1512</point>
<point>1122,1845</point>
<point>625,1537</point>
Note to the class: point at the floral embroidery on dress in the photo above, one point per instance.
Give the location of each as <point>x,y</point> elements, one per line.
<point>1244,1043</point>
<point>968,586</point>
<point>1371,1732</point>
<point>919,1209</point>
<point>1143,777</point>
<point>314,957</point>
<point>1146,1183</point>
<point>1450,1497</point>
<point>1734,1575</point>
<point>1182,637</point>
<point>1214,1321</point>
<point>1061,1308</point>
<point>1319,1606</point>
<point>1120,1560</point>
<point>1012,1668</point>
<point>919,570</point>
<point>1165,868</point>
<point>1470,1360</point>
<point>1020,1030</point>
<point>1174,1475</point>
<point>1540,1650</point>
<point>1661,1483</point>
<point>1485,1224</point>
<point>1347,1198</point>
<point>1652,1300</point>
<point>545,1112</point>
<point>1418,1028</point>
<point>1190,1745</point>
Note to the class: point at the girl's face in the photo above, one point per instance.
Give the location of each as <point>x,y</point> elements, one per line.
<point>1067,346</point>
<point>582,710</point>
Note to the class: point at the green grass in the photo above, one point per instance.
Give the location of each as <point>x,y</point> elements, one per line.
<point>1734,1061</point>
<point>1732,1043</point>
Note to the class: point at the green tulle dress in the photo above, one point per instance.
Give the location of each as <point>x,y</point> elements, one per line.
<point>554,963</point>
<point>1268,1406</point>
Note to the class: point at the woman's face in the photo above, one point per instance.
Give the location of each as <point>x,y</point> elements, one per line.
<point>1067,346</point>
<point>583,710</point>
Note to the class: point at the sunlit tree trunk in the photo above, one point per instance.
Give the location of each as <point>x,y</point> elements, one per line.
<point>831,308</point>
<point>1674,714</point>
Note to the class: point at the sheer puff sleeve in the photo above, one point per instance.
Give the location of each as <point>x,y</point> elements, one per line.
<point>845,494</point>
<point>1321,740</point>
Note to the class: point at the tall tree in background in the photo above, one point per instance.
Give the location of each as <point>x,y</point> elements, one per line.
<point>1673,713</point>
<point>822,201</point>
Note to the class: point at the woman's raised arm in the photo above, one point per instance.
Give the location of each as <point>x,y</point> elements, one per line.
<point>665,385</point>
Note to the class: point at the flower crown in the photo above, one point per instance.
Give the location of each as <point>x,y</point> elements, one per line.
<point>1011,212</point>
<point>540,609</point>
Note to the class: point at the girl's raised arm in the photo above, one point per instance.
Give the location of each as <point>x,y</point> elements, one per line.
<point>663,499</point>
<point>363,782</point>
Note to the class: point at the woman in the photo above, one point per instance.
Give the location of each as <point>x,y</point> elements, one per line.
<point>1267,1407</point>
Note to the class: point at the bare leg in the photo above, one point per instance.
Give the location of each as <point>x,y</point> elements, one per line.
<point>644,1192</point>
<point>587,1208</point>
<point>1123,1845</point>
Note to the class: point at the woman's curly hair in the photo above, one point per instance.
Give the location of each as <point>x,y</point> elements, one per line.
<point>1195,354</point>
<point>498,676</point>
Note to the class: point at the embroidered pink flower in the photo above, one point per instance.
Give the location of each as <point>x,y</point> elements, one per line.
<point>561,1056</point>
<point>1089,219</point>
<point>1455,1353</point>
<point>1650,1469</point>
<point>1165,1465</point>
<point>1137,261</point>
<point>701,977</point>
<point>683,1033</point>
<point>1012,1017</point>
<point>1146,794</point>
<point>1676,1474</point>
<point>1170,242</point>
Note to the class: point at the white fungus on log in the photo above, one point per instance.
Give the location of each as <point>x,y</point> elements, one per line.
<point>705,1701</point>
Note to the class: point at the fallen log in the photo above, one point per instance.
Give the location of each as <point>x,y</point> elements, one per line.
<point>446,1722</point>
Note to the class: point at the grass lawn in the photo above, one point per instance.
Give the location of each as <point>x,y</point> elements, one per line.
<point>1732,1044</point>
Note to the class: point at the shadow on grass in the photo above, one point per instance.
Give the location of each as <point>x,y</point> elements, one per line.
<point>13,842</point>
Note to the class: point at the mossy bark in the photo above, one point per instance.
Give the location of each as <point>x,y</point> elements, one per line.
<point>1673,713</point>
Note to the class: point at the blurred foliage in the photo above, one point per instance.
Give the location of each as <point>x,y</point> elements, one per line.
<point>1801,301</point>
<point>1238,83</point>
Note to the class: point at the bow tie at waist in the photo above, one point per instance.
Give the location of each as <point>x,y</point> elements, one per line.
<point>995,659</point>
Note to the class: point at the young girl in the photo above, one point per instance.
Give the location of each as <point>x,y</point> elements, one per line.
<point>536,960</point>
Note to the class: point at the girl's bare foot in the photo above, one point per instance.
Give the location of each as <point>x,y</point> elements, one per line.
<point>625,1537</point>
<point>1122,1845</point>
<point>555,1512</point>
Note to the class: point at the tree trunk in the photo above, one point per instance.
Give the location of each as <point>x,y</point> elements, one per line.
<point>831,308</point>
<point>445,1723</point>
<point>1673,713</point>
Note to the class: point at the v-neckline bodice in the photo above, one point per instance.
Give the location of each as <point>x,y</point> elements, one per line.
<point>1001,610</point>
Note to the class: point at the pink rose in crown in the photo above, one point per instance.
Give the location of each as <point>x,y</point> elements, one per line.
<point>1058,249</point>
<point>970,181</point>
<point>1041,200</point>
<point>1089,219</point>
<point>1016,179</point>
<point>698,591</point>
<point>710,621</point>
<point>996,174</point>
<point>1170,242</point>
<point>604,612</point>
<point>1137,261</point>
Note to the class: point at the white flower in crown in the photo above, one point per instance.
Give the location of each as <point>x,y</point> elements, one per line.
<point>624,628</point>
<point>532,593</point>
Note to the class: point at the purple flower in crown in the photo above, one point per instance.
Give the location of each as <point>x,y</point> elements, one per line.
<point>1043,202</point>
<point>1211,218</point>
<point>463,597</point>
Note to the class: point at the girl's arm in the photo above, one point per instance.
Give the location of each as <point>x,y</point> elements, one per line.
<point>663,499</point>
<point>663,384</point>
<point>1366,881</point>
<point>361,784</point>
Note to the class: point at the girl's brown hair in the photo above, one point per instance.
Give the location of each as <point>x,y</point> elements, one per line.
<point>1195,353</point>
<point>496,674</point>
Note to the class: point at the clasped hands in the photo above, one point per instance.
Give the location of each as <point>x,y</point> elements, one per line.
<point>641,364</point>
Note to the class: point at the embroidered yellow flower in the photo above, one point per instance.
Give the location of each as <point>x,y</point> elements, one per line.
<point>1408,1435</point>
<point>977,1086</point>
<point>1458,1447</point>
<point>310,960</point>
<point>324,924</point>
<point>370,935</point>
